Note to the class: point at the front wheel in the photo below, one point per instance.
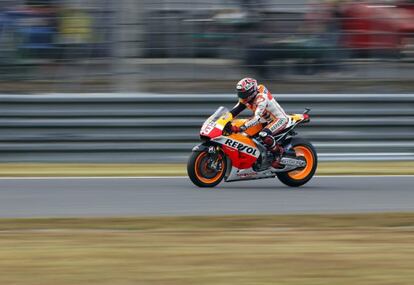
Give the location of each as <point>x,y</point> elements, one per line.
<point>301,176</point>
<point>205,170</point>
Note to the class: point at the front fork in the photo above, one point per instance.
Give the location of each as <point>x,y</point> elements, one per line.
<point>214,159</point>
<point>213,162</point>
<point>216,149</point>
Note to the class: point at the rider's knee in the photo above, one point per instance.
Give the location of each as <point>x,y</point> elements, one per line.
<point>265,133</point>
<point>267,138</point>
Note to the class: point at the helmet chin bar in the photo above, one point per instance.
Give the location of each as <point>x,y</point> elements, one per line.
<point>251,97</point>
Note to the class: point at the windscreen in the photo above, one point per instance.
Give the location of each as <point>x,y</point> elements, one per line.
<point>218,114</point>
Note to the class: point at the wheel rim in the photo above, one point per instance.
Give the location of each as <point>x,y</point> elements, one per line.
<point>307,154</point>
<point>203,172</point>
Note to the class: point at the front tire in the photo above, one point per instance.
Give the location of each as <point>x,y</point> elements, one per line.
<point>201,174</point>
<point>299,177</point>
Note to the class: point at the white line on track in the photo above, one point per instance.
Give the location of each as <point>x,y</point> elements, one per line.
<point>91,177</point>
<point>176,177</point>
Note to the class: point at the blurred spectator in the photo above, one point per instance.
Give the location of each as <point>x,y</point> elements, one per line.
<point>313,44</point>
<point>75,26</point>
<point>5,37</point>
<point>35,26</point>
<point>295,37</point>
<point>75,32</point>
<point>332,35</point>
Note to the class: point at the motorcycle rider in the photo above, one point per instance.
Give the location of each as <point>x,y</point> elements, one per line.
<point>266,111</point>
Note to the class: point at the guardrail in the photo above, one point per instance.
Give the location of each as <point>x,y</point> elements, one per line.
<point>163,128</point>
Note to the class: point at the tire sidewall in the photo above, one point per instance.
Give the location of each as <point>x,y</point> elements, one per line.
<point>284,176</point>
<point>192,172</point>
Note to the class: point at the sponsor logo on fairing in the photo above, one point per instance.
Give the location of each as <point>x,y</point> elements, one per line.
<point>241,147</point>
<point>247,175</point>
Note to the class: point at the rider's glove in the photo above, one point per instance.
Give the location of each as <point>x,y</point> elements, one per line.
<point>235,129</point>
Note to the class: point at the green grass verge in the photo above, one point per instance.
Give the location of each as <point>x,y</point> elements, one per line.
<point>53,169</point>
<point>318,249</point>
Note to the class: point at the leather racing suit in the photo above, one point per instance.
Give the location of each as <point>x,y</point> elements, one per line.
<point>266,111</point>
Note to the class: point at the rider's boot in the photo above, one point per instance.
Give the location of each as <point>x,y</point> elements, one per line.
<point>275,148</point>
<point>277,151</point>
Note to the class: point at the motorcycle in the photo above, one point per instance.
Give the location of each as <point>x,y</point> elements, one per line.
<point>243,156</point>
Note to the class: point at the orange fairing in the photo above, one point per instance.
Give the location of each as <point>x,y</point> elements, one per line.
<point>243,139</point>
<point>238,122</point>
<point>240,156</point>
<point>252,131</point>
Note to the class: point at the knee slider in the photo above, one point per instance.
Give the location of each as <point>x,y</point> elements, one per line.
<point>269,141</point>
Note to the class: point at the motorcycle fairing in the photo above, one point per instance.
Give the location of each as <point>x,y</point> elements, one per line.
<point>241,150</point>
<point>239,142</point>
<point>252,131</point>
<point>214,125</point>
<point>237,174</point>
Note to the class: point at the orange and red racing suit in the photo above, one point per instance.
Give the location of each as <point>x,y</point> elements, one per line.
<point>266,111</point>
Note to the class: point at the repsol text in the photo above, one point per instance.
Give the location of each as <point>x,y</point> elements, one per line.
<point>241,147</point>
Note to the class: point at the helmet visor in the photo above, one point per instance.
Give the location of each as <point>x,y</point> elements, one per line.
<point>246,94</point>
<point>243,95</point>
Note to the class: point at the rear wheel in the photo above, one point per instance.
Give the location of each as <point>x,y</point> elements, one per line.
<point>301,176</point>
<point>205,170</point>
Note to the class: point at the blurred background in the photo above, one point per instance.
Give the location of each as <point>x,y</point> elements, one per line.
<point>133,80</point>
<point>296,46</point>
<point>88,84</point>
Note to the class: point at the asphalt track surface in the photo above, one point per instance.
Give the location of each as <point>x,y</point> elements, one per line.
<point>97,197</point>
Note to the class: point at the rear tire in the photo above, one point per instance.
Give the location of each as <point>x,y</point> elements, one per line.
<point>199,172</point>
<point>299,177</point>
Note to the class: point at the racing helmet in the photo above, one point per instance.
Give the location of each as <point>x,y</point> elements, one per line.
<point>247,89</point>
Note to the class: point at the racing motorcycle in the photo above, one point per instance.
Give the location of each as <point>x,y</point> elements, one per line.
<point>243,156</point>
